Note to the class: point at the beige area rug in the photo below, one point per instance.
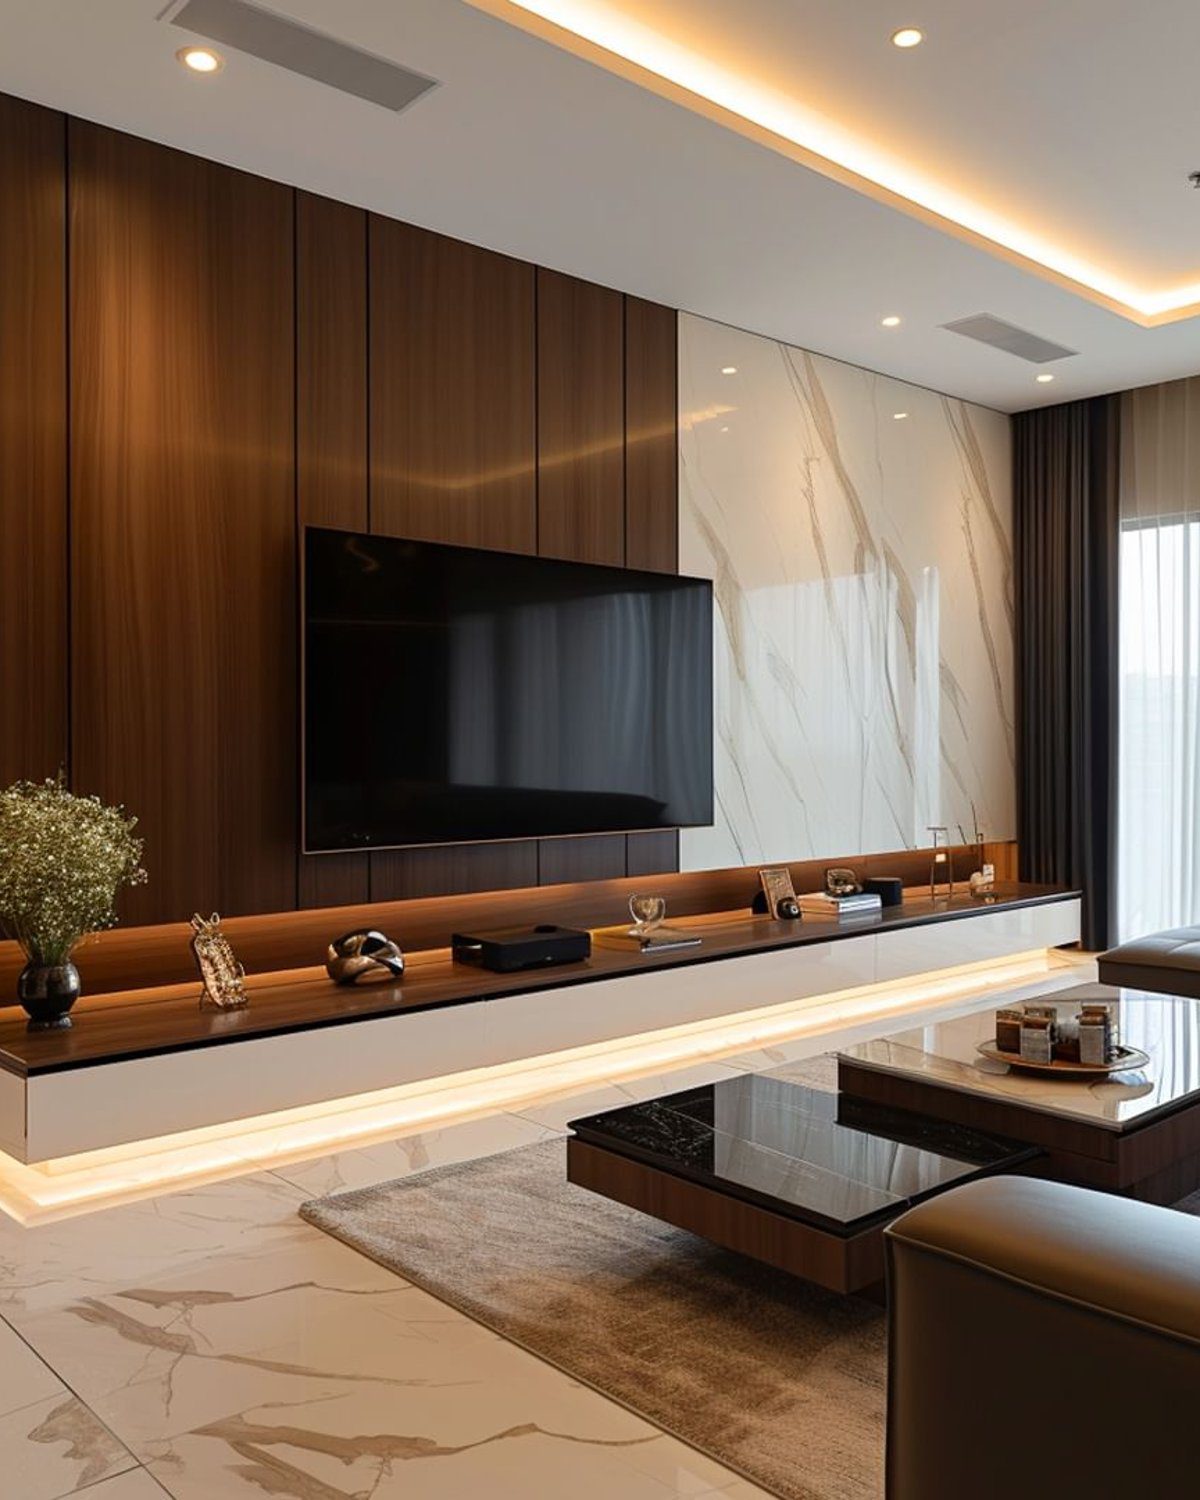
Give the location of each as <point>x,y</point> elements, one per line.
<point>776,1379</point>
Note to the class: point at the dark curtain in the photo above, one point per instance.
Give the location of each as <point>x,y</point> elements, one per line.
<point>1066,534</point>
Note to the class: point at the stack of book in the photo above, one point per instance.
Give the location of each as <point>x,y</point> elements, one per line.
<point>821,904</point>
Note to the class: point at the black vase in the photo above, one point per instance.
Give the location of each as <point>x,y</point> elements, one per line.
<point>47,992</point>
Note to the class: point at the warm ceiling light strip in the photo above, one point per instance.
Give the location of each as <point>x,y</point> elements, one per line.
<point>63,1188</point>
<point>601,33</point>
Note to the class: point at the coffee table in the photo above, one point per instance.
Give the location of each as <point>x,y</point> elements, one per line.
<point>1135,1133</point>
<point>788,1174</point>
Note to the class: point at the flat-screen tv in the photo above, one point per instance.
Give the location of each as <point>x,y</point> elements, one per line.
<point>452,695</point>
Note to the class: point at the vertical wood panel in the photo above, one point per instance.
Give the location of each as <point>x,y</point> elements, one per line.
<point>452,456</point>
<point>581,478</point>
<point>581,421</point>
<point>33,443</point>
<point>452,391</point>
<point>651,492</point>
<point>331,433</point>
<point>596,856</point>
<point>651,437</point>
<point>654,853</point>
<point>183,517</point>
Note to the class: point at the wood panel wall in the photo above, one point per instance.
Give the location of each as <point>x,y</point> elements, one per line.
<point>194,363</point>
<point>33,452</point>
<point>183,524</point>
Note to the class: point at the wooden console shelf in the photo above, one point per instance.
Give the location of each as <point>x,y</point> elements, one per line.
<point>149,1022</point>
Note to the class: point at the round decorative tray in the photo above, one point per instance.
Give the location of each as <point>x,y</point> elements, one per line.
<point>1126,1058</point>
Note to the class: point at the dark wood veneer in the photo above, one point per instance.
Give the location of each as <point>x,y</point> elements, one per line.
<point>149,1020</point>
<point>331,434</point>
<point>452,391</point>
<point>651,437</point>
<point>452,455</point>
<point>581,420</point>
<point>128,958</point>
<point>842,1263</point>
<point>33,436</point>
<point>1157,1161</point>
<point>183,517</point>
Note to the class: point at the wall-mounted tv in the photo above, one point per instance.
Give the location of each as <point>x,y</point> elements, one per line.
<point>453,695</point>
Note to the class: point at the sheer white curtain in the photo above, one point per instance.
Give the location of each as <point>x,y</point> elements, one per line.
<point>1158,849</point>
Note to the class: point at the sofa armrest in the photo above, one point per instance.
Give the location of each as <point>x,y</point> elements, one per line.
<point>1040,1330</point>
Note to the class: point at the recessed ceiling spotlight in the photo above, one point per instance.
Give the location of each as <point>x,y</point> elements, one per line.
<point>201,59</point>
<point>1044,379</point>
<point>907,36</point>
<point>899,416</point>
<point>891,321</point>
<point>729,369</point>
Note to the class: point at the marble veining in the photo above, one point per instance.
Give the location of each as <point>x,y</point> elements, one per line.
<point>863,578</point>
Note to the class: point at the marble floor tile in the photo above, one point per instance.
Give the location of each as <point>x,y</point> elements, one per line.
<point>134,1484</point>
<point>245,1217</point>
<point>388,1160</point>
<point>24,1377</point>
<point>683,1471</point>
<point>554,1112</point>
<point>54,1447</point>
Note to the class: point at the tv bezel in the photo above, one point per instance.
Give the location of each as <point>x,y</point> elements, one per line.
<point>302,600</point>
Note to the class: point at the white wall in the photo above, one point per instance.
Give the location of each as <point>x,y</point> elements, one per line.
<point>863,576</point>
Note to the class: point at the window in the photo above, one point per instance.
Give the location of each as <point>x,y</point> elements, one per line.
<point>1158,865</point>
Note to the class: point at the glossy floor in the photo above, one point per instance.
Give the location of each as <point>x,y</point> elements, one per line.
<point>210,1345</point>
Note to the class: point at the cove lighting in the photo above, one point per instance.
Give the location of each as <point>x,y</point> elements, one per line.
<point>83,1183</point>
<point>201,59</point>
<point>907,36</point>
<point>616,38</point>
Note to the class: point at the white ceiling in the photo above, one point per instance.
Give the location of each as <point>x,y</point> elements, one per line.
<point>1078,119</point>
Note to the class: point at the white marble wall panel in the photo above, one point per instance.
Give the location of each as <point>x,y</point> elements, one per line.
<point>862,564</point>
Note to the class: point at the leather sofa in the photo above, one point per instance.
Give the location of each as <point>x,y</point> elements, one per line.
<point>1166,962</point>
<point>1044,1340</point>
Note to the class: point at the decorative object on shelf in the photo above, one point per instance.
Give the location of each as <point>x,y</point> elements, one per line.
<point>841,882</point>
<point>778,896</point>
<point>657,939</point>
<point>364,957</point>
<point>647,913</point>
<point>507,950</point>
<point>889,889</point>
<point>822,904</point>
<point>224,978</point>
<point>940,863</point>
<point>1127,1059</point>
<point>1037,1035</point>
<point>63,858</point>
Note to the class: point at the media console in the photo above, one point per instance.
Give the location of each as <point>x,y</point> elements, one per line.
<point>145,1063</point>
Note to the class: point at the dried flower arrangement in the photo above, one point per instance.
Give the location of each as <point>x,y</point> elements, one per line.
<point>63,859</point>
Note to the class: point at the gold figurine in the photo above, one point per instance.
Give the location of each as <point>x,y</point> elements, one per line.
<point>224,978</point>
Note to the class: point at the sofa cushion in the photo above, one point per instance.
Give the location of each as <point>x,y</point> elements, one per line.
<point>1166,962</point>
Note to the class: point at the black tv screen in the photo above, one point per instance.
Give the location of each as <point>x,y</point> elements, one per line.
<point>453,695</point>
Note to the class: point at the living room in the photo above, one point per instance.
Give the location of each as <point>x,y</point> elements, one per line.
<point>599,886</point>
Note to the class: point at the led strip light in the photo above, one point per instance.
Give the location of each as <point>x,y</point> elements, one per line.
<point>596,31</point>
<point>70,1185</point>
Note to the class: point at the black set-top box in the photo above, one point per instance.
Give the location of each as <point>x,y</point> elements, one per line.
<point>507,950</point>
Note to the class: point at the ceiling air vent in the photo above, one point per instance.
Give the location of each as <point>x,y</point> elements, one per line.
<point>1001,335</point>
<point>274,39</point>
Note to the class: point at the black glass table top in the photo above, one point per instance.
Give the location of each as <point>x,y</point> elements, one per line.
<point>813,1155</point>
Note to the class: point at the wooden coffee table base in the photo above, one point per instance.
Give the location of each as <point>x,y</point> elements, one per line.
<point>842,1263</point>
<point>1158,1162</point>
